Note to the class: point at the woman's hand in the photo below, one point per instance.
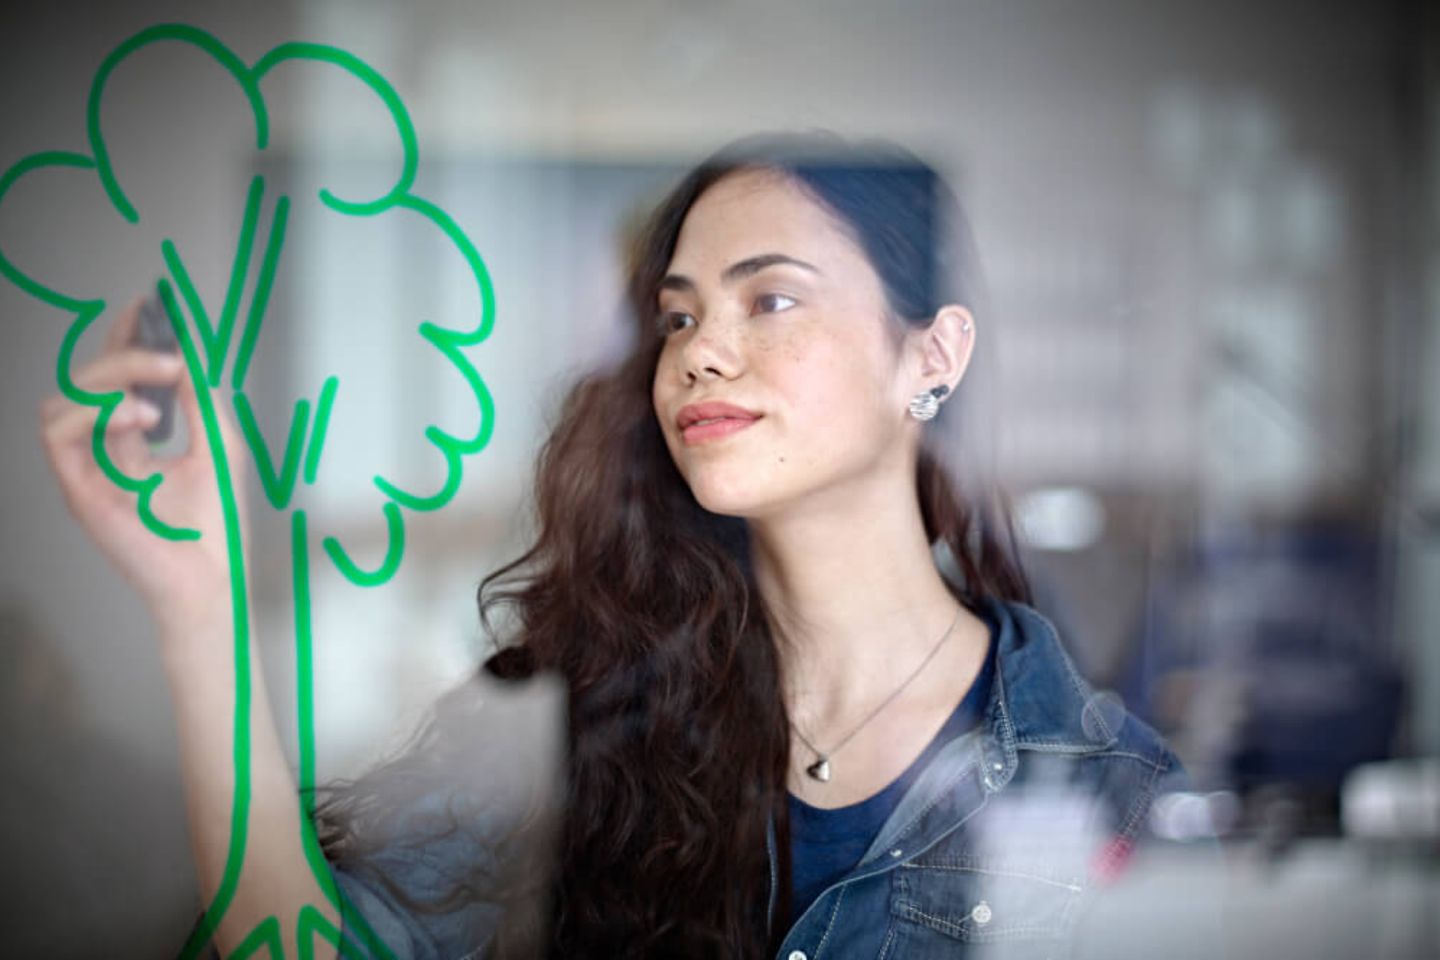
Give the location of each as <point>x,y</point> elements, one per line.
<point>184,582</point>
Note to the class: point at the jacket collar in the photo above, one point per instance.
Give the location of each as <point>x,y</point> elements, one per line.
<point>1038,702</point>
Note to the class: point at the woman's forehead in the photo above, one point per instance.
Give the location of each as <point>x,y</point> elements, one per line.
<point>756,212</point>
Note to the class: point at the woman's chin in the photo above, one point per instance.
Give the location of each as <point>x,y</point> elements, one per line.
<point>729,499</point>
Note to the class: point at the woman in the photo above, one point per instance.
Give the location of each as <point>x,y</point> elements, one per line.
<point>810,713</point>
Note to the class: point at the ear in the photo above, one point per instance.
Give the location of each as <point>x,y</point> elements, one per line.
<point>942,350</point>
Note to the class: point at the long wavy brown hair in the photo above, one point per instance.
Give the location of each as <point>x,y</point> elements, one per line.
<point>646,605</point>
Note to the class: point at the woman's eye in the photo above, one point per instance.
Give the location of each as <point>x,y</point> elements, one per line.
<point>670,321</point>
<point>773,303</point>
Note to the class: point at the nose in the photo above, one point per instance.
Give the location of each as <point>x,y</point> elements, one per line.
<point>712,351</point>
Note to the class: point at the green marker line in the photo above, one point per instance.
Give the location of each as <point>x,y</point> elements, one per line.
<point>305,719</point>
<point>240,612</point>
<point>261,300</point>
<point>153,523</point>
<point>56,299</point>
<point>265,934</point>
<point>473,260</point>
<point>304,657</point>
<point>68,345</point>
<point>182,280</point>
<point>448,342</point>
<point>368,75</point>
<point>97,440</point>
<point>249,85</point>
<point>451,447</point>
<point>278,486</point>
<point>244,247</point>
<point>312,924</point>
<point>394,551</point>
<point>143,489</point>
<point>322,426</point>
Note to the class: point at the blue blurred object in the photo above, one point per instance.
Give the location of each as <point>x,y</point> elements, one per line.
<point>1278,632</point>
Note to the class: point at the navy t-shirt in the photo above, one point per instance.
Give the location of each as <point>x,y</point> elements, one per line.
<point>826,844</point>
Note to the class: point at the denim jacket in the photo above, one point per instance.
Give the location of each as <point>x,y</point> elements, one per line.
<point>996,847</point>
<point>993,851</point>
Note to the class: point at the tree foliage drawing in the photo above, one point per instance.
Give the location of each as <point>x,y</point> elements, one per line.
<point>217,342</point>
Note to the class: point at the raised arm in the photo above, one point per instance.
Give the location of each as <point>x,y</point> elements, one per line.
<point>186,584</point>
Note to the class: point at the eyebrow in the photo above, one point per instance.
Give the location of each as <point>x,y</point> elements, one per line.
<point>738,271</point>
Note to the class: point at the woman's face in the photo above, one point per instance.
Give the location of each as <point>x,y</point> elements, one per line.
<point>770,307</point>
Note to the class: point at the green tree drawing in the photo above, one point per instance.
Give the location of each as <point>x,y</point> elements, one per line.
<point>217,346</point>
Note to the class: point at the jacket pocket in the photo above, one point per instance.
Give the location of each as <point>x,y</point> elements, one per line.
<point>983,901</point>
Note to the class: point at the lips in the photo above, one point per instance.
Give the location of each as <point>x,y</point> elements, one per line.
<point>712,419</point>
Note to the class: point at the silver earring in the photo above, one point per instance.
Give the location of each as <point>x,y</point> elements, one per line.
<point>924,406</point>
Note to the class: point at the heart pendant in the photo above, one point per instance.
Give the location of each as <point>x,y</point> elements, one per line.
<point>820,769</point>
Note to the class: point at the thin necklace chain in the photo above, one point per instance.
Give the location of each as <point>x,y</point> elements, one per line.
<point>822,757</point>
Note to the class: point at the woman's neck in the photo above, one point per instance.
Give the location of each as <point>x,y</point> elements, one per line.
<point>857,600</point>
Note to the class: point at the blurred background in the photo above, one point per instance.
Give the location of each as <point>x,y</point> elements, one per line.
<point>1210,234</point>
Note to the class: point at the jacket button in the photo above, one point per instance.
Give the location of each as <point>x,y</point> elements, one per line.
<point>982,913</point>
<point>796,955</point>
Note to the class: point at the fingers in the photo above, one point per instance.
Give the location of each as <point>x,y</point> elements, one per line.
<point>122,331</point>
<point>129,366</point>
<point>65,424</point>
<point>67,431</point>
